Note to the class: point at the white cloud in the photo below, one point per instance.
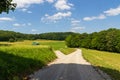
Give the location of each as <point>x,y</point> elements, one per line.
<point>75,22</point>
<point>26,3</point>
<point>113,12</point>
<point>29,11</point>
<point>50,1</point>
<point>21,25</point>
<point>25,10</point>
<point>16,25</point>
<point>77,29</point>
<point>29,24</point>
<point>55,17</point>
<point>63,5</point>
<point>76,25</point>
<point>102,16</point>
<point>33,30</point>
<point>6,19</point>
<point>110,12</point>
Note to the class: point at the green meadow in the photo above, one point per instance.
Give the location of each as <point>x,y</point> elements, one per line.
<point>19,59</point>
<point>109,62</point>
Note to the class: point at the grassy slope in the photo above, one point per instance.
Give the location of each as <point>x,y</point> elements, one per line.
<point>21,58</point>
<point>67,50</point>
<point>106,61</point>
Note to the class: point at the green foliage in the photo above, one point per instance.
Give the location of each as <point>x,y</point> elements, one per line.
<point>19,61</point>
<point>6,5</point>
<point>55,35</point>
<point>73,40</point>
<point>107,40</point>
<point>7,35</point>
<point>67,50</point>
<point>106,61</point>
<point>56,45</point>
<point>35,43</point>
<point>11,40</point>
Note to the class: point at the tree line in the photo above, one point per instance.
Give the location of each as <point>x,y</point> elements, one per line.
<point>16,36</point>
<point>106,40</point>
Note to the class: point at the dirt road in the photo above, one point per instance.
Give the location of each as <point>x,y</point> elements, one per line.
<point>68,67</point>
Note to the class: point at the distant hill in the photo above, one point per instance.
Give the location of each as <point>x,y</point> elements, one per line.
<point>16,36</point>
<point>55,35</point>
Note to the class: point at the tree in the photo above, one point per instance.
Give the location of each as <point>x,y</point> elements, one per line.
<point>106,40</point>
<point>6,5</point>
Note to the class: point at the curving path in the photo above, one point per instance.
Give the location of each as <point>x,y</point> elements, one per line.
<point>68,67</point>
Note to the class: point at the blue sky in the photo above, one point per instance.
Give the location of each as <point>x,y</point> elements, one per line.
<point>41,16</point>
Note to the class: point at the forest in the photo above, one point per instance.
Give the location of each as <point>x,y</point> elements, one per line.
<point>16,36</point>
<point>106,40</point>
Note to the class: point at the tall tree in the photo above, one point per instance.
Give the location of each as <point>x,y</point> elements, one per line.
<point>6,5</point>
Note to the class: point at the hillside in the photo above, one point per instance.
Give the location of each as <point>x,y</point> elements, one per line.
<point>16,36</point>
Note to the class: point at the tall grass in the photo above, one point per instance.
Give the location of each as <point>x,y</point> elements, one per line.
<point>67,50</point>
<point>18,61</point>
<point>56,45</point>
<point>107,61</point>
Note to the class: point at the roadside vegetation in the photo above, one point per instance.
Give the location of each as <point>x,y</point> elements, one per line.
<point>106,61</point>
<point>67,51</point>
<point>106,40</point>
<point>19,61</point>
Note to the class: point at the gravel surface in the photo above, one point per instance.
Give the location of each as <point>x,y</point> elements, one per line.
<point>69,67</point>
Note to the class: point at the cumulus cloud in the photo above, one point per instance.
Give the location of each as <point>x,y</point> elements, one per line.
<point>63,5</point>
<point>50,1</point>
<point>75,22</point>
<point>33,30</point>
<point>6,19</point>
<point>102,16</point>
<point>113,11</point>
<point>26,3</point>
<point>25,10</point>
<point>105,14</point>
<point>76,27</point>
<point>16,25</point>
<point>55,17</point>
<point>29,24</point>
<point>21,25</point>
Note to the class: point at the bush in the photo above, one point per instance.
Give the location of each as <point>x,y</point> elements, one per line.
<point>11,40</point>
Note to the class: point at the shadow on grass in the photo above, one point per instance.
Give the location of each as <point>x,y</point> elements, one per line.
<point>115,74</point>
<point>13,66</point>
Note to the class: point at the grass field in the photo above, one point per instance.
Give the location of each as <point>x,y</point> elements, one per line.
<point>19,59</point>
<point>67,50</point>
<point>56,45</point>
<point>107,61</point>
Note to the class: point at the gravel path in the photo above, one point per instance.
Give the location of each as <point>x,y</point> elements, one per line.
<point>69,67</point>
